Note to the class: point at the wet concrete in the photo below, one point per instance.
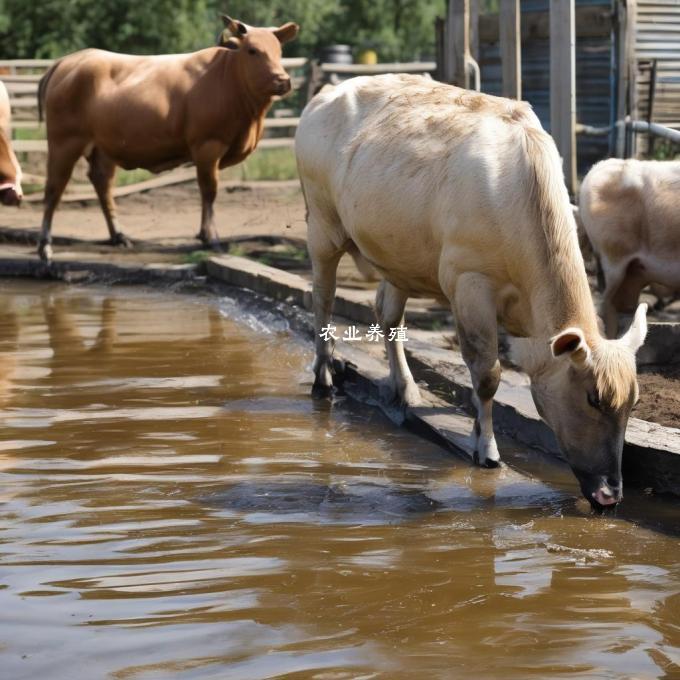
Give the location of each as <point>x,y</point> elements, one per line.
<point>175,505</point>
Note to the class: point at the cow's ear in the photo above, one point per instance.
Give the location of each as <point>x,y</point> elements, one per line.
<point>236,27</point>
<point>571,341</point>
<point>637,332</point>
<point>287,32</point>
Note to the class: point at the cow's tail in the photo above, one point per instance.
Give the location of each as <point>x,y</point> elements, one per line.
<point>42,89</point>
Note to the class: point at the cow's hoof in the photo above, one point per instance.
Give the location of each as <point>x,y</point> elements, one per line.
<point>320,391</point>
<point>120,239</point>
<point>486,454</point>
<point>45,251</point>
<point>210,242</point>
<point>490,464</point>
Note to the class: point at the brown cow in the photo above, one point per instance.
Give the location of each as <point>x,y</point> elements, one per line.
<point>158,112</point>
<point>10,171</point>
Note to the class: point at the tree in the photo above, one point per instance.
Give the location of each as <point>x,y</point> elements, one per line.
<point>397,29</point>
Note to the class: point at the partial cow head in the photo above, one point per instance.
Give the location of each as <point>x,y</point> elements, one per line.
<point>10,173</point>
<point>585,392</point>
<point>259,54</point>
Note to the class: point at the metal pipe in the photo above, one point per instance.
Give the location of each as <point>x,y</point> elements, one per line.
<point>654,129</point>
<point>470,63</point>
<point>592,131</point>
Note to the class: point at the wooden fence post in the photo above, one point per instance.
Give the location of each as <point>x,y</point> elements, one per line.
<point>510,34</point>
<point>460,44</point>
<point>456,42</point>
<point>563,85</point>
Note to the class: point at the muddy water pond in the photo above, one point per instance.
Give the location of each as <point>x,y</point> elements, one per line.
<point>174,505</point>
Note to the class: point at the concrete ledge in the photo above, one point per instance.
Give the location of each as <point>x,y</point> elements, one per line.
<point>284,286</point>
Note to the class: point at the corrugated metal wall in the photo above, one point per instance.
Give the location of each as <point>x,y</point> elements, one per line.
<point>593,80</point>
<point>657,37</point>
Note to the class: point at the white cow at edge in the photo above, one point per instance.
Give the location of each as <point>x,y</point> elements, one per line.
<point>630,212</point>
<point>450,193</point>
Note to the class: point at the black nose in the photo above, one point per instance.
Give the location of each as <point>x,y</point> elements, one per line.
<point>284,85</point>
<point>9,197</point>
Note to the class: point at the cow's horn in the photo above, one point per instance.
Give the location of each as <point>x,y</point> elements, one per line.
<point>236,27</point>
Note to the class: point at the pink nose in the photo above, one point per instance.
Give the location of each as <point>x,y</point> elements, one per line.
<point>605,496</point>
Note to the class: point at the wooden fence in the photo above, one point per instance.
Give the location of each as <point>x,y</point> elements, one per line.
<point>21,77</point>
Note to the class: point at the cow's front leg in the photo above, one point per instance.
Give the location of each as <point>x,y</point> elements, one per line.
<point>207,172</point>
<point>60,162</point>
<point>474,306</point>
<point>390,302</point>
<point>325,257</point>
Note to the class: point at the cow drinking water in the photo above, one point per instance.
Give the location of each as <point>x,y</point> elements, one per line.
<point>456,194</point>
<point>10,171</point>
<point>158,112</point>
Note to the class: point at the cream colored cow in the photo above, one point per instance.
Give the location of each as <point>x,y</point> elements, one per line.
<point>456,194</point>
<point>10,171</point>
<point>630,211</point>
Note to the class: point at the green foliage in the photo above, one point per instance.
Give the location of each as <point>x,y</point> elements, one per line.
<point>664,150</point>
<point>51,28</point>
<point>397,29</point>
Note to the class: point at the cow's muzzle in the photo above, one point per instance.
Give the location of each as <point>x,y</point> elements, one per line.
<point>9,194</point>
<point>599,490</point>
<point>282,85</point>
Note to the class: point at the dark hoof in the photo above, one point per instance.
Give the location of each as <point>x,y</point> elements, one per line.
<point>212,242</point>
<point>488,463</point>
<point>320,391</point>
<point>121,239</point>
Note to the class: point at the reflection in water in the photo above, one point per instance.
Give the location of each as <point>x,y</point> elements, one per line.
<point>174,505</point>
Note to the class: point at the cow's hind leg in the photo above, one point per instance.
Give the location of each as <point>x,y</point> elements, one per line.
<point>623,285</point>
<point>389,306</point>
<point>101,173</point>
<point>474,306</point>
<point>60,162</point>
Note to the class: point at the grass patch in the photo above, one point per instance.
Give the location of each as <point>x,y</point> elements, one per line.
<point>126,177</point>
<point>268,164</point>
<point>237,250</point>
<point>28,133</point>
<point>197,256</point>
<point>293,252</point>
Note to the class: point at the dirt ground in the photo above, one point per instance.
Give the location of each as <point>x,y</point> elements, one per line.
<point>266,223</point>
<point>659,396</point>
<point>173,214</point>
